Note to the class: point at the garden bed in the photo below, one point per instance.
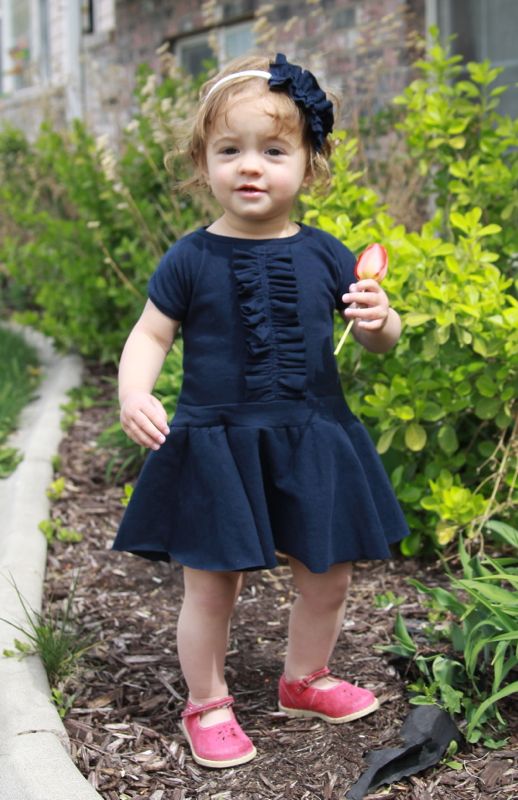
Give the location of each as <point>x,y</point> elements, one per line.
<point>129,692</point>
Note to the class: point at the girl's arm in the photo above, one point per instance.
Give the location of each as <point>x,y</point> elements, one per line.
<point>377,326</point>
<point>143,417</point>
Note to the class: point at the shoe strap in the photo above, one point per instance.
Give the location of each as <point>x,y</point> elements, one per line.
<point>192,708</point>
<point>305,682</point>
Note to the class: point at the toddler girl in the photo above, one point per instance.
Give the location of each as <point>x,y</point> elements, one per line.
<point>263,454</point>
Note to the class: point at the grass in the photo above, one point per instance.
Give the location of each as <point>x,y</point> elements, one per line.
<point>19,376</point>
<point>54,636</point>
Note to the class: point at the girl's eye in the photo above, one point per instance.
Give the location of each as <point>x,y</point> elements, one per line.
<point>274,151</point>
<point>229,151</point>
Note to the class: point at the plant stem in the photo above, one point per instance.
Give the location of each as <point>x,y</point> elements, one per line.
<point>344,337</point>
<point>120,274</point>
<point>498,479</point>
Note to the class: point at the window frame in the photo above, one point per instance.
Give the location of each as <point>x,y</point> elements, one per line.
<point>212,35</point>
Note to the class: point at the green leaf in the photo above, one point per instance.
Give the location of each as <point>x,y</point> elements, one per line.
<point>511,688</point>
<point>504,531</point>
<point>509,636</point>
<point>402,634</point>
<point>415,318</point>
<point>476,640</point>
<point>447,439</point>
<point>501,665</point>
<point>421,700</point>
<point>432,412</point>
<point>410,494</point>
<point>411,544</point>
<point>489,230</point>
<point>445,532</point>
<point>480,347</point>
<point>442,598</point>
<point>493,593</point>
<point>442,334</point>
<point>452,698</point>
<point>459,221</point>
<point>415,437</point>
<point>487,407</point>
<point>486,386</point>
<point>457,142</point>
<point>397,476</point>
<point>385,440</point>
<point>403,412</point>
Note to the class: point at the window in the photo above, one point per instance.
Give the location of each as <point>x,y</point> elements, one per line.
<point>193,52</point>
<point>44,54</point>
<point>483,29</point>
<point>87,16</point>
<point>19,46</point>
<point>25,44</point>
<point>235,41</point>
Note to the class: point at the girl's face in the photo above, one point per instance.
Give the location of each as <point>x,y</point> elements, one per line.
<point>255,167</point>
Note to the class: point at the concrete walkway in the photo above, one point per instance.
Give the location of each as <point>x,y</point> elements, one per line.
<point>34,746</point>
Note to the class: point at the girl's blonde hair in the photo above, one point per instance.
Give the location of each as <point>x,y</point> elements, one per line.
<point>287,114</point>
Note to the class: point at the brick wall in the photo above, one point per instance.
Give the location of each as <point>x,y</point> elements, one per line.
<point>356,46</point>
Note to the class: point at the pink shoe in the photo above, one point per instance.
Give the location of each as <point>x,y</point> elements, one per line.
<point>221,745</point>
<point>342,703</point>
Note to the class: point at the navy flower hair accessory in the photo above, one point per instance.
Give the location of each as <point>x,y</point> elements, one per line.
<point>301,85</point>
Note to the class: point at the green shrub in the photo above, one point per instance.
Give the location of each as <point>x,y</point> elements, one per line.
<point>464,149</point>
<point>441,405</point>
<point>83,227</point>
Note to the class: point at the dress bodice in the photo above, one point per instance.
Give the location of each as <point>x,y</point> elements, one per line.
<point>256,314</point>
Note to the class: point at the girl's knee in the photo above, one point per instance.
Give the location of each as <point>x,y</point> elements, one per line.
<point>330,597</point>
<point>213,592</point>
<point>326,590</point>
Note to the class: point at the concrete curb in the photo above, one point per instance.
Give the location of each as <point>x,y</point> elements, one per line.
<point>34,745</point>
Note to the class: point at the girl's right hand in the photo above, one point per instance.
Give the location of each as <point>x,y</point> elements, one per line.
<point>144,420</point>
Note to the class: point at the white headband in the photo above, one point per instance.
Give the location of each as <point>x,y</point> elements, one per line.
<point>246,73</point>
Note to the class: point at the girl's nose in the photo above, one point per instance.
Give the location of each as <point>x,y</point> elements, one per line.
<point>250,164</point>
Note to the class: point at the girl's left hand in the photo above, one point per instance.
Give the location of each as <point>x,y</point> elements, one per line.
<point>371,305</point>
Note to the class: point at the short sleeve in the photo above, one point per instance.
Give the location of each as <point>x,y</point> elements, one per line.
<point>170,285</point>
<point>346,263</point>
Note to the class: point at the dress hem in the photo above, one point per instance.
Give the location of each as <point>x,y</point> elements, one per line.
<point>166,557</point>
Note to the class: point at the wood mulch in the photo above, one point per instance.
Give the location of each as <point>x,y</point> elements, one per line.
<point>129,691</point>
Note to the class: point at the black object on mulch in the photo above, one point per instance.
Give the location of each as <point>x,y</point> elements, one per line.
<point>426,732</point>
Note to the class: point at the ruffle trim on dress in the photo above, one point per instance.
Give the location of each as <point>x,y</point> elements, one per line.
<point>276,351</point>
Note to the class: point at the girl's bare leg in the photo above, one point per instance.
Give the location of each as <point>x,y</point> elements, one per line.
<point>203,632</point>
<point>316,618</point>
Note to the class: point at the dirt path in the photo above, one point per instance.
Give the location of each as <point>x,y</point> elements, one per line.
<point>129,692</point>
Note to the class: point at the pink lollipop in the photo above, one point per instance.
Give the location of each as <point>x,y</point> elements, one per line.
<point>372,263</point>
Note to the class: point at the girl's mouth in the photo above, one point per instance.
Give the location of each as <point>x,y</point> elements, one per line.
<point>249,189</point>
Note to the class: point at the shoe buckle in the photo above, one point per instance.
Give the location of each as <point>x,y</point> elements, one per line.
<point>191,709</point>
<point>306,682</point>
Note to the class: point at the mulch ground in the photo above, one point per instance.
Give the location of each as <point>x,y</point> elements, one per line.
<point>129,691</point>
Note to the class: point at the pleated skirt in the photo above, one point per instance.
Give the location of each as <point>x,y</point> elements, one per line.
<point>236,484</point>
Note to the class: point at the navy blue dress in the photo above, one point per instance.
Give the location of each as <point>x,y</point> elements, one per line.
<point>264,454</point>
